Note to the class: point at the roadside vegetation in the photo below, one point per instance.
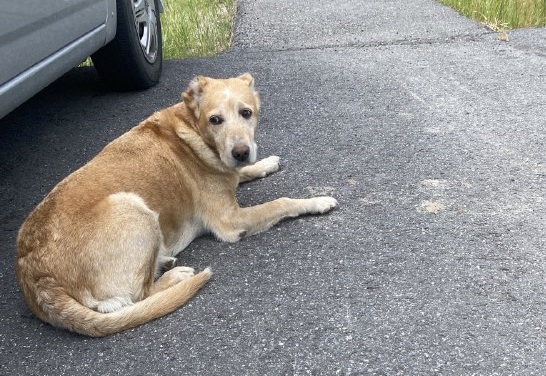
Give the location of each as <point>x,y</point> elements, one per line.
<point>196,27</point>
<point>502,15</point>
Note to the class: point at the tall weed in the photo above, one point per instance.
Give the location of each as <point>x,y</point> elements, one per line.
<point>196,27</point>
<point>503,14</point>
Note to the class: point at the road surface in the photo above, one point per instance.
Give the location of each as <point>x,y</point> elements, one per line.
<point>428,130</point>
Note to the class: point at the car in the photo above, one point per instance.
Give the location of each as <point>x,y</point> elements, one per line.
<point>42,40</point>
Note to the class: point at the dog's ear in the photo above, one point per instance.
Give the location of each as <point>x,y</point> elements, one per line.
<point>192,95</point>
<point>247,77</point>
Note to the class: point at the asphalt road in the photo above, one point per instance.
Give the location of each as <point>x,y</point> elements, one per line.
<point>428,130</point>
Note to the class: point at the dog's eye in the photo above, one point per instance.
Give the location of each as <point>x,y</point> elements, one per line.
<point>215,120</point>
<point>246,113</point>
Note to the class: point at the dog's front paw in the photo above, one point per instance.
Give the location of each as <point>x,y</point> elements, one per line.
<point>269,165</point>
<point>323,204</point>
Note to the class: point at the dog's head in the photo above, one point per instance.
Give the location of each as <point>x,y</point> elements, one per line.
<point>226,113</point>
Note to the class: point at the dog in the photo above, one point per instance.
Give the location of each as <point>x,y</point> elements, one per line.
<point>90,255</point>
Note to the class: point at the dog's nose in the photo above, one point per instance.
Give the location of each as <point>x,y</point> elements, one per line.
<point>240,152</point>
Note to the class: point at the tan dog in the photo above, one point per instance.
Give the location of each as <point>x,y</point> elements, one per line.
<point>89,254</point>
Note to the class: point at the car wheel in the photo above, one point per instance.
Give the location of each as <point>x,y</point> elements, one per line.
<point>133,60</point>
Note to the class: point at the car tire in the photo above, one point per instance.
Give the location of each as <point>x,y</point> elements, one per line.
<point>133,60</point>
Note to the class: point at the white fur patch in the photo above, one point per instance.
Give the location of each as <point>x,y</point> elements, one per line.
<point>113,304</point>
<point>227,92</point>
<point>107,305</point>
<point>128,197</point>
<point>131,199</point>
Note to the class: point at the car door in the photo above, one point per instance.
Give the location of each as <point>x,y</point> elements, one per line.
<point>31,30</point>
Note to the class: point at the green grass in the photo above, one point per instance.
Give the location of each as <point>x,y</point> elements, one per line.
<point>196,27</point>
<point>503,14</point>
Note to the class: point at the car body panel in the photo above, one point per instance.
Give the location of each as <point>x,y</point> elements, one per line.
<point>42,39</point>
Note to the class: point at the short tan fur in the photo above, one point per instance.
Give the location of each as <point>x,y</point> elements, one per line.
<point>90,256</point>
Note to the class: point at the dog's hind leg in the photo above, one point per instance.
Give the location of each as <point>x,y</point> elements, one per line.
<point>259,169</point>
<point>126,243</point>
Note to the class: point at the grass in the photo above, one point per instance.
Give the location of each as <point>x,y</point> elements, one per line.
<point>503,14</point>
<point>196,27</point>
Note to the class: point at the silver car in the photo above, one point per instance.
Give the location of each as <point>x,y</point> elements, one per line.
<point>40,40</point>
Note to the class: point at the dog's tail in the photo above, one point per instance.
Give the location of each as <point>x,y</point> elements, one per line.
<point>68,313</point>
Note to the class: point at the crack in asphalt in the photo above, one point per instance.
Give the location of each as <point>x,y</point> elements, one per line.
<point>474,37</point>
